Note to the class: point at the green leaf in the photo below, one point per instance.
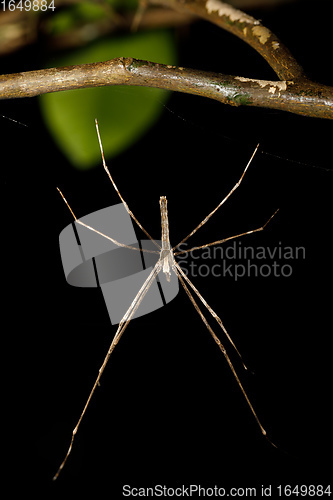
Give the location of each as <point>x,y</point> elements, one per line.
<point>124,113</point>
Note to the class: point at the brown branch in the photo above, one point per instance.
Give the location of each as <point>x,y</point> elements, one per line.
<point>246,27</point>
<point>293,92</point>
<point>297,97</point>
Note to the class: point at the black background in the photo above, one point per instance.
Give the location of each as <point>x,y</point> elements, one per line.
<point>169,410</point>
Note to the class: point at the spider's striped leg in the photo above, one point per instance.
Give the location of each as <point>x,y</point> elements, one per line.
<point>117,190</point>
<point>224,352</point>
<point>120,330</point>
<point>221,203</point>
<point>102,234</point>
<point>261,228</point>
<point>212,312</point>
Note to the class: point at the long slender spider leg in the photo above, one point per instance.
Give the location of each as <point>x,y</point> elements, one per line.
<point>120,330</point>
<point>261,228</point>
<point>68,205</point>
<point>221,203</point>
<point>115,241</point>
<point>102,234</point>
<point>212,312</point>
<point>117,190</point>
<point>224,352</point>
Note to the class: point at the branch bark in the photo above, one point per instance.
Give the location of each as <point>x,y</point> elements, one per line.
<point>245,27</point>
<point>298,97</point>
<point>293,92</point>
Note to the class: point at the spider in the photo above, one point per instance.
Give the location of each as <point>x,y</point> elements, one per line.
<point>166,264</point>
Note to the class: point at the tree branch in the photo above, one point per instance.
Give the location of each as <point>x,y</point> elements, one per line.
<point>245,27</point>
<point>298,97</point>
<point>293,92</point>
